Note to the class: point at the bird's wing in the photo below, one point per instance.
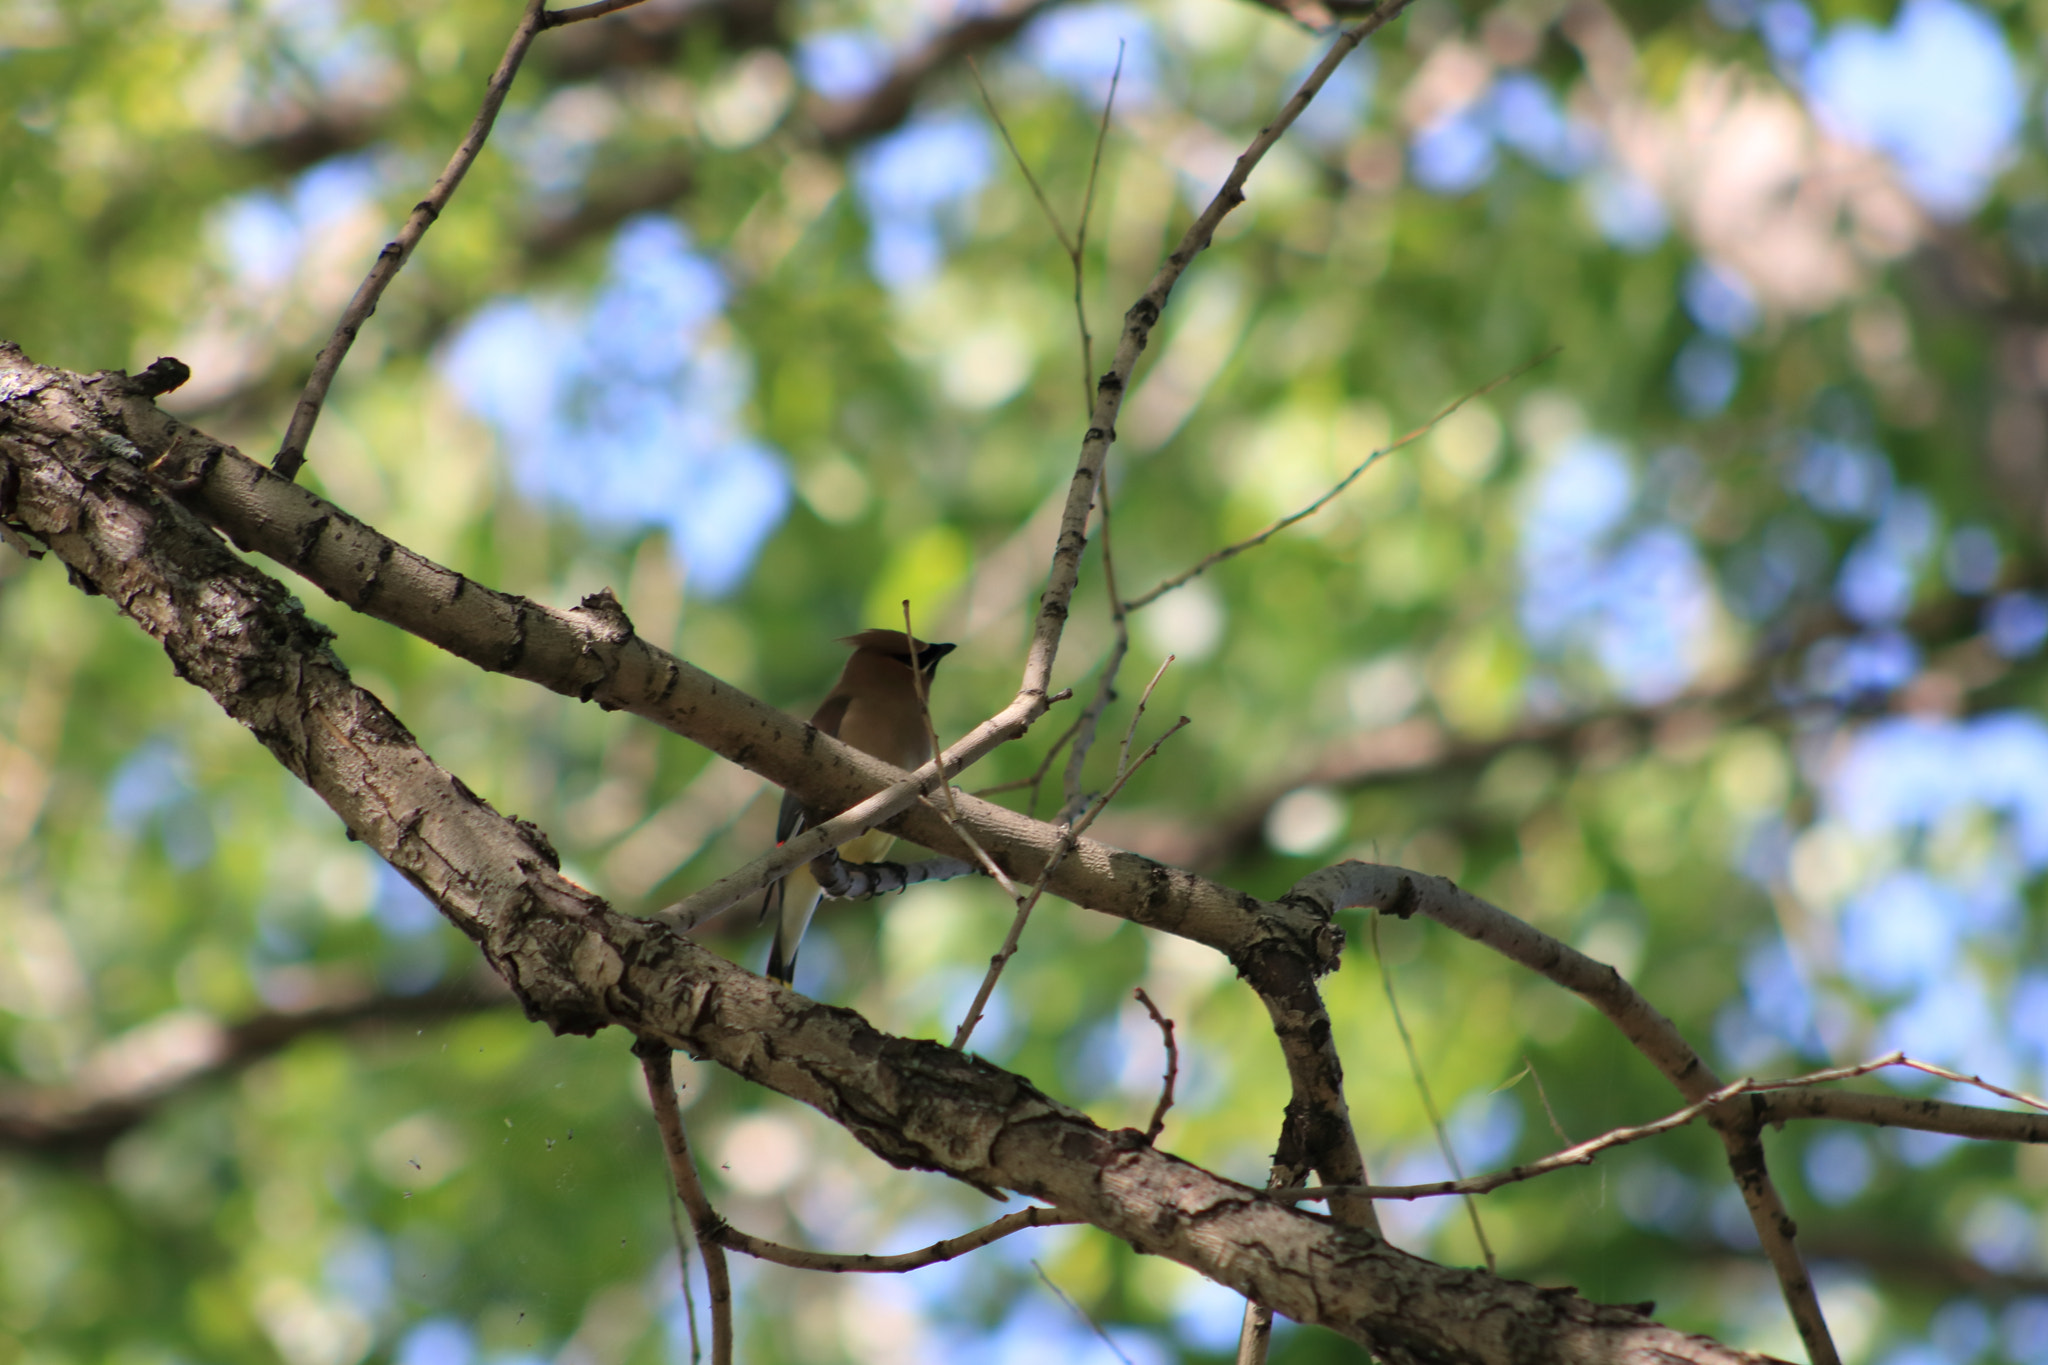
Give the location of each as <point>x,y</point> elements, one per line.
<point>792,819</point>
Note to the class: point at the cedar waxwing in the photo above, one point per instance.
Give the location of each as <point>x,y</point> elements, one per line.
<point>874,708</point>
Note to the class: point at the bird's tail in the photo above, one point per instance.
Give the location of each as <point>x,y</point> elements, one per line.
<point>792,901</point>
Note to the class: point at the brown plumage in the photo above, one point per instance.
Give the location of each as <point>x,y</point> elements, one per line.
<point>874,708</point>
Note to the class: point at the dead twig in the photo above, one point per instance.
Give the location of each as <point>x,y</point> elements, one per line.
<point>1055,602</point>
<point>1252,542</point>
<point>1158,1123</point>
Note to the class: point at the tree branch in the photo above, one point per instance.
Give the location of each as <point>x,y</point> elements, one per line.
<point>704,1220</point>
<point>1397,892</point>
<point>292,453</point>
<point>578,966</point>
<point>844,1263</point>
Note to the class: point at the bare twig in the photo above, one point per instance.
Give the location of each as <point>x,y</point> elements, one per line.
<point>1081,1313</point>
<point>1139,321</point>
<point>1580,1154</point>
<point>1400,892</point>
<point>1077,245</point>
<point>1081,230</point>
<point>1037,778</point>
<point>661,1092</point>
<point>1436,1120</point>
<point>1123,757</point>
<point>1002,957</point>
<point>576,14</point>
<point>1252,542</point>
<point>1102,801</point>
<point>987,863</point>
<point>1052,217</point>
<point>1158,1123</point>
<point>1105,685</point>
<point>675,1227</point>
<point>840,1263</point>
<point>292,453</point>
<point>1069,834</point>
<point>1073,796</point>
<point>1543,1097</point>
<point>2018,1097</point>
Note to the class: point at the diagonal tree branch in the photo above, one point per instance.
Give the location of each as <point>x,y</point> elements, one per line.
<point>579,966</point>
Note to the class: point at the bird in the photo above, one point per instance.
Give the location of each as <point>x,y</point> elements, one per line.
<point>874,707</point>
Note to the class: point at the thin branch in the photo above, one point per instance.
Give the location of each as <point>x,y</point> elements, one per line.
<point>1139,320</point>
<point>675,1227</point>
<point>292,453</point>
<point>1105,684</point>
<point>1231,551</point>
<point>1074,247</point>
<point>1081,1313</point>
<point>1436,1120</point>
<point>1396,891</point>
<point>2018,1097</point>
<point>1037,777</point>
<point>1102,801</point>
<point>841,1263</point>
<point>1069,836</point>
<point>1543,1097</point>
<point>1002,956</point>
<point>1073,796</point>
<point>987,863</point>
<point>1584,1153</point>
<point>1052,217</point>
<point>1081,231</point>
<point>1123,756</point>
<point>576,14</point>
<point>1158,1123</point>
<point>661,1092</point>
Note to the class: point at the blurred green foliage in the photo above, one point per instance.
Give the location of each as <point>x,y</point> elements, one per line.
<point>468,1189</point>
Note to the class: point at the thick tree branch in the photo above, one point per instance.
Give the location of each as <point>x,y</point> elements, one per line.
<point>579,966</point>
<point>591,653</point>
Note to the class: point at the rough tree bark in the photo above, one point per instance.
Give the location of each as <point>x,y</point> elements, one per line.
<point>89,467</point>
